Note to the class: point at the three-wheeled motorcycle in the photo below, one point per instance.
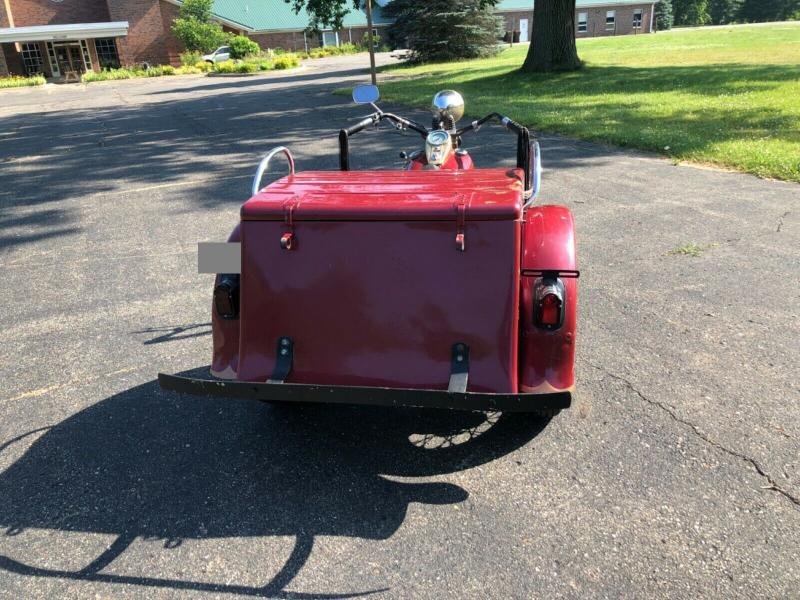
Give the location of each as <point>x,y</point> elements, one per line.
<point>439,285</point>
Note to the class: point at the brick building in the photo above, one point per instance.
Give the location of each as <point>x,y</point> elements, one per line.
<point>593,18</point>
<point>64,38</point>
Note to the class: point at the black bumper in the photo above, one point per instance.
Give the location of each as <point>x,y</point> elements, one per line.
<point>378,396</point>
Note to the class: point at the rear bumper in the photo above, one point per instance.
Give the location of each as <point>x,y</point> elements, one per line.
<point>377,396</point>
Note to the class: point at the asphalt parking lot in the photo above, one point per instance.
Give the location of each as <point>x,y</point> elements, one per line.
<point>675,475</point>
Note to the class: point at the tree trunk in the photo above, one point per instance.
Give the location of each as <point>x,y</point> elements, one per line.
<point>553,42</point>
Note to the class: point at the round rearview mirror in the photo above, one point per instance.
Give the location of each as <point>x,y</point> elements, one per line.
<point>366,94</point>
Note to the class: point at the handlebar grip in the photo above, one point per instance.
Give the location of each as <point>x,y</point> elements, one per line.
<point>359,126</point>
<point>512,125</point>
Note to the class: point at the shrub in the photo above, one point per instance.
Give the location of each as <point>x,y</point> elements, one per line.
<point>191,58</point>
<point>286,61</point>
<point>17,81</point>
<point>226,66</point>
<point>376,39</point>
<point>242,46</point>
<point>110,75</point>
<point>266,65</point>
<point>189,70</point>
<point>129,73</point>
<point>246,67</point>
<point>159,71</point>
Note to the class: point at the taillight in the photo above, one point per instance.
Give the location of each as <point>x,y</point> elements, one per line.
<point>226,297</point>
<point>548,308</point>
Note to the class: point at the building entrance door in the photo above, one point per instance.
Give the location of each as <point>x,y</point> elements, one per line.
<point>70,59</point>
<point>523,30</point>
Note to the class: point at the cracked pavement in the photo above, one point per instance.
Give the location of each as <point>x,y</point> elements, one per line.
<point>675,474</point>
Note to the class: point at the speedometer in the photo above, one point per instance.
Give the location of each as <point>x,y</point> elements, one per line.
<point>437,147</point>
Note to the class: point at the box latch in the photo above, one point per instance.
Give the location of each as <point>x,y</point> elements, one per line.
<point>288,238</point>
<point>461,221</point>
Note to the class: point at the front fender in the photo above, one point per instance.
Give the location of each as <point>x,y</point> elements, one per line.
<point>547,358</point>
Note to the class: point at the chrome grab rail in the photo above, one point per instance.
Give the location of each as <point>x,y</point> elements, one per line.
<point>536,177</point>
<point>262,166</point>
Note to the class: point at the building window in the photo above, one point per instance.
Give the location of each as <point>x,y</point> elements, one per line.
<point>611,19</point>
<point>107,53</point>
<point>583,19</point>
<point>637,18</point>
<point>330,38</point>
<point>51,53</point>
<point>32,58</point>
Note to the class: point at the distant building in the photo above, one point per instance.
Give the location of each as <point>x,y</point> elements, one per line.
<point>64,38</point>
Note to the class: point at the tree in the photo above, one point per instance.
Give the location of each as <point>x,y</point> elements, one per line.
<point>552,49</point>
<point>768,10</point>
<point>691,12</point>
<point>662,16</point>
<point>724,11</point>
<point>553,42</point>
<point>194,27</point>
<point>438,30</point>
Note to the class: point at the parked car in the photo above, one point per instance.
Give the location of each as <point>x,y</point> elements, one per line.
<point>220,54</point>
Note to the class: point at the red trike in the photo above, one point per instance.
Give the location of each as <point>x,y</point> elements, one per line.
<point>439,285</point>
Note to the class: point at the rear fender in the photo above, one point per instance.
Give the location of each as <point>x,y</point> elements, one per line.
<point>225,333</point>
<point>547,358</point>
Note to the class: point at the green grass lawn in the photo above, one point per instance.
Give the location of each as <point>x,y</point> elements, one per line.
<point>728,96</point>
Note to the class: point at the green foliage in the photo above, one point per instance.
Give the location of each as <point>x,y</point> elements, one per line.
<point>286,61</point>
<point>16,81</point>
<point>753,11</point>
<point>376,40</point>
<point>728,96</point>
<point>439,30</point>
<point>242,46</point>
<point>225,66</point>
<point>662,16</point>
<point>190,59</point>
<point>196,9</point>
<point>723,12</point>
<point>689,249</point>
<point>691,12</point>
<point>257,63</point>
<point>345,48</point>
<point>130,73</point>
<point>325,13</point>
<point>194,27</point>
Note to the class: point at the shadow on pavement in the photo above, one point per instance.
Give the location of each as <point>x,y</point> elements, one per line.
<point>145,464</point>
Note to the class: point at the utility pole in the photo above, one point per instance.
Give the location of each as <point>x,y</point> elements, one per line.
<point>372,73</point>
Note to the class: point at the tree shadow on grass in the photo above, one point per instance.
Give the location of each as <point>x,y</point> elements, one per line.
<point>145,464</point>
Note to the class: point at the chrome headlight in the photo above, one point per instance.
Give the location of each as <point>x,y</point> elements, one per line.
<point>448,103</point>
<point>438,145</point>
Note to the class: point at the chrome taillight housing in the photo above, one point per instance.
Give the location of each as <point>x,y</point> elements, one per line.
<point>548,303</point>
<point>226,297</point>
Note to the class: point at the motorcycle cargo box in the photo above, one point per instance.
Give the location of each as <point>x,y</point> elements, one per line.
<point>375,276</point>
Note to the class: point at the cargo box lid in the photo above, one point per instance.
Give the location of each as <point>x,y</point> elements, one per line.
<point>485,194</point>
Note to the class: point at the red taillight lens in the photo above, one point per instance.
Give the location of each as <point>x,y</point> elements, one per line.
<point>548,311</point>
